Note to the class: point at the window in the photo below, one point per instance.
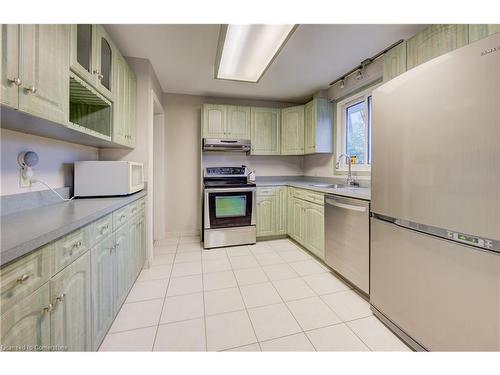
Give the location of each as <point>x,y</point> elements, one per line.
<point>354,116</point>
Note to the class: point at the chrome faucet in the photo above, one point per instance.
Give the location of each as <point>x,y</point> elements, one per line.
<point>350,180</point>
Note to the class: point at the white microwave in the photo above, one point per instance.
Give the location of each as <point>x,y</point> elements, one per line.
<point>105,178</point>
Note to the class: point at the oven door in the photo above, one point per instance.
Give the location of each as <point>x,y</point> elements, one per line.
<point>229,207</point>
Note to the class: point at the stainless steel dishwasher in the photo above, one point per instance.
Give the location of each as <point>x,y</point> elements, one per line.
<point>347,239</point>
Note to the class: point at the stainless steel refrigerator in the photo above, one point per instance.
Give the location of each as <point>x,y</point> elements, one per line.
<point>435,226</point>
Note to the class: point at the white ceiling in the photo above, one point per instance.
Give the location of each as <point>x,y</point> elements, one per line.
<point>183,57</point>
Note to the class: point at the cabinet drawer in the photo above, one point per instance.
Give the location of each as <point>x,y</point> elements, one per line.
<point>309,195</point>
<point>134,208</point>
<point>265,191</point>
<point>101,228</point>
<point>70,247</point>
<point>120,217</point>
<point>24,276</point>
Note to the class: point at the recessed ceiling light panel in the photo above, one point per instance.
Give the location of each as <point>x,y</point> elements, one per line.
<point>246,51</point>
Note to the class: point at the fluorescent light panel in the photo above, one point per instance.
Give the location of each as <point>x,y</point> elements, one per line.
<point>249,49</point>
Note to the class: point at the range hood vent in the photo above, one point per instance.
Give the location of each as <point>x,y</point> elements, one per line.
<point>227,145</point>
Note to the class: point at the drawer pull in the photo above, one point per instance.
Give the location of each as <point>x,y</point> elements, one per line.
<point>104,228</point>
<point>49,308</point>
<point>23,278</point>
<point>122,217</point>
<point>77,244</point>
<point>60,298</point>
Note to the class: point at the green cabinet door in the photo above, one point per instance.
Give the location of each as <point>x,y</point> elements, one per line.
<point>434,41</point>
<point>26,325</point>
<point>142,241</point>
<point>120,103</point>
<point>318,126</point>
<point>265,131</point>
<point>298,220</point>
<point>124,264</point>
<point>292,130</point>
<point>103,288</point>
<point>314,229</point>
<point>238,122</point>
<point>394,61</point>
<point>9,65</point>
<point>71,318</point>
<point>82,49</point>
<point>280,197</point>
<point>103,61</point>
<point>266,213</point>
<point>214,121</point>
<point>477,32</point>
<point>44,67</point>
<point>289,214</point>
<point>132,108</point>
<point>309,128</point>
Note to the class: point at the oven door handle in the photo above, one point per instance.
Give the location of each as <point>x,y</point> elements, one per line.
<point>229,190</point>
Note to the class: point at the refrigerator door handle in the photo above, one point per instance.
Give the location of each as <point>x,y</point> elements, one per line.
<point>351,207</point>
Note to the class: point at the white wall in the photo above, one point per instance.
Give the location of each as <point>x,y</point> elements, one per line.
<point>183,158</point>
<point>55,165</point>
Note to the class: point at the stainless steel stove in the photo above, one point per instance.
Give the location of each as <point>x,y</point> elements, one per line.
<point>229,207</point>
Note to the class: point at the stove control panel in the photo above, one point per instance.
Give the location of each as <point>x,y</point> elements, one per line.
<point>225,171</point>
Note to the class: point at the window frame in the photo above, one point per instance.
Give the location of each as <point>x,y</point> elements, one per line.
<point>362,96</point>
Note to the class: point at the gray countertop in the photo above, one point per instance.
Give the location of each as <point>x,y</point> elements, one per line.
<point>25,231</point>
<point>351,192</point>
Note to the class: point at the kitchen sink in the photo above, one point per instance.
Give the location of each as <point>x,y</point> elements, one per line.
<point>329,186</point>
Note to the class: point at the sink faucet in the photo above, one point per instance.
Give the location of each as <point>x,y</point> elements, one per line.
<point>350,179</point>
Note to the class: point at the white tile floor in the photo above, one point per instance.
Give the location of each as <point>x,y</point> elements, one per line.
<point>272,296</point>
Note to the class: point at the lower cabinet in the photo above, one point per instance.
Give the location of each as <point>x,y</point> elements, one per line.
<point>103,288</point>
<point>314,229</point>
<point>26,325</point>
<point>271,211</point>
<point>71,315</point>
<point>73,309</point>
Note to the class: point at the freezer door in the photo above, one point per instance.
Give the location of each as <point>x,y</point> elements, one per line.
<point>436,142</point>
<point>444,295</point>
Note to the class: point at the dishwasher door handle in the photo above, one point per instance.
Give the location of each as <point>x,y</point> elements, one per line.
<point>345,206</point>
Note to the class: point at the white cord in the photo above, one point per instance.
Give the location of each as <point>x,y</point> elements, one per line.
<point>59,195</point>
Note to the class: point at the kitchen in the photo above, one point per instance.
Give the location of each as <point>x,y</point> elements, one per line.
<point>248,187</point>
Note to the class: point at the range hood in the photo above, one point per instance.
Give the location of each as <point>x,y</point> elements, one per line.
<point>232,145</point>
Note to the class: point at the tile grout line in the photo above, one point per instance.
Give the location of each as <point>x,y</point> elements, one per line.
<point>164,299</point>
<point>246,309</point>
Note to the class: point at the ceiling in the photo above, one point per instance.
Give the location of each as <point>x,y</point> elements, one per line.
<point>183,57</point>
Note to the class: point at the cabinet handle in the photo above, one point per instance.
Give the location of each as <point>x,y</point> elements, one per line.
<point>16,81</point>
<point>122,217</point>
<point>60,298</point>
<point>99,75</point>
<point>23,278</point>
<point>30,90</point>
<point>49,308</point>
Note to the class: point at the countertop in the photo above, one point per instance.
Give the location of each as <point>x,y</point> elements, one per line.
<point>25,231</point>
<point>351,192</point>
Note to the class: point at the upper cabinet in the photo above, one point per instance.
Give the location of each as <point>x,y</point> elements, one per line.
<point>265,131</point>
<point>434,41</point>
<point>394,62</point>
<point>214,120</point>
<point>477,32</point>
<point>9,65</point>
<point>292,130</point>
<point>238,122</point>
<point>124,104</point>
<point>226,121</point>
<point>92,56</point>
<point>33,80</point>
<point>71,75</point>
<point>318,123</point>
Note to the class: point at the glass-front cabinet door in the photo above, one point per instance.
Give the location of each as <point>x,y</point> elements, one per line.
<point>92,56</point>
<point>103,61</point>
<point>82,52</point>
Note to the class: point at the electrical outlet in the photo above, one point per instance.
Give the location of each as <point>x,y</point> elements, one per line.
<point>23,181</point>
